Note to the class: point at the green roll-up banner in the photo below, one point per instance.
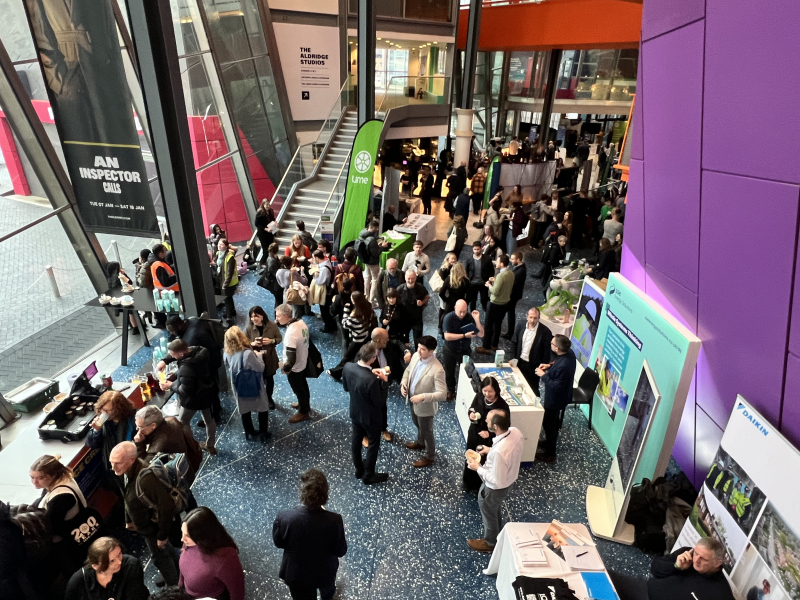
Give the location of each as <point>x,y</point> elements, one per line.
<point>491,184</point>
<point>359,180</point>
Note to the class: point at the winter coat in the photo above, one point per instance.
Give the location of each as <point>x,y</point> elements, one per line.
<point>247,359</point>
<point>193,385</point>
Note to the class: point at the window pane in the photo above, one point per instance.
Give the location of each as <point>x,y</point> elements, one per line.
<point>236,30</point>
<point>189,32</point>
<point>15,33</point>
<point>428,10</point>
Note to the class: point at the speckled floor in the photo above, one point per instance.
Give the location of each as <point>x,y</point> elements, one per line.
<point>406,538</point>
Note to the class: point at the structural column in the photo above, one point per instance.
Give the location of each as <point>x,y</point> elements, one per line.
<point>465,111</point>
<point>550,96</point>
<point>366,61</point>
<point>154,42</point>
<point>502,95</point>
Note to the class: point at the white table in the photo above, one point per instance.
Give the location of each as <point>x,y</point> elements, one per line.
<point>557,326</point>
<point>528,419</point>
<point>423,227</point>
<point>506,564</point>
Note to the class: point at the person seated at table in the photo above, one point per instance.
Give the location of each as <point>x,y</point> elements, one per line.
<point>417,261</point>
<point>487,399</point>
<point>390,277</point>
<point>108,573</point>
<point>351,270</point>
<point>389,220</point>
<point>157,434</point>
<point>395,319</point>
<point>606,261</point>
<point>115,423</point>
<point>686,573</point>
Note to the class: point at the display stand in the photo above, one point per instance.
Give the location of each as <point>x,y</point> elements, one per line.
<point>600,503</point>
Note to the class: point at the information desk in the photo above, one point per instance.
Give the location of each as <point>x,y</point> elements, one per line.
<point>422,227</point>
<point>506,564</point>
<point>402,244</point>
<point>527,418</point>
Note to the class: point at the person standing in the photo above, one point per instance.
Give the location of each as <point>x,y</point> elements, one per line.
<point>426,193</point>
<point>390,277</point>
<point>324,279</point>
<point>476,188</point>
<point>348,269</point>
<point>479,269</point>
<point>193,386</point>
<point>393,359</point>
<point>119,425</point>
<point>228,277</point>
<point>459,229</point>
<point>240,358</point>
<point>264,336</point>
<point>612,227</point>
<point>308,239</point>
<point>414,297</point>
<point>156,434</point>
<point>154,524</point>
<point>312,540</point>
<point>498,475</point>
<point>264,216</point>
<point>499,296</point>
<point>461,204</point>
<point>460,327</point>
<point>269,279</point>
<point>530,345</point>
<point>417,261</point>
<point>487,399</point>
<point>394,318</point>
<point>518,220</point>
<point>366,411</point>
<point>369,251</point>
<point>555,387</point>
<point>295,358</point>
<point>424,387</point>
<point>520,272</point>
<point>108,573</point>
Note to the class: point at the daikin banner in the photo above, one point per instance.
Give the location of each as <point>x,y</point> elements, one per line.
<point>633,329</point>
<point>82,63</point>
<point>749,502</point>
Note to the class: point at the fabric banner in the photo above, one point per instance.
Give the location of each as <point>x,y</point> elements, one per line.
<point>748,502</point>
<point>359,180</point>
<point>82,62</point>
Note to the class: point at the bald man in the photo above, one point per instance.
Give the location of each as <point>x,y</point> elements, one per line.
<point>154,524</point>
<point>460,328</point>
<point>389,355</point>
<point>390,277</point>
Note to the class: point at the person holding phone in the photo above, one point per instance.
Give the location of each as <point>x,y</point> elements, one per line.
<point>460,328</point>
<point>264,336</point>
<point>479,436</point>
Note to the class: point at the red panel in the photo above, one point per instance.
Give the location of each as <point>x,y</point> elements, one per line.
<point>238,231</point>
<point>212,198</point>
<point>13,163</point>
<point>200,153</point>
<point>232,201</point>
<point>226,172</point>
<point>196,128</point>
<point>264,189</point>
<point>210,175</point>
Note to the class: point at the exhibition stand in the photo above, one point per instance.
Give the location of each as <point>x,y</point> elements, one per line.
<point>526,417</point>
<point>420,227</point>
<point>401,244</point>
<point>556,327</point>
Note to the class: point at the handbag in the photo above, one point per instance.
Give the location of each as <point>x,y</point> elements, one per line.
<point>451,242</point>
<point>436,282</point>
<point>247,382</point>
<point>85,526</point>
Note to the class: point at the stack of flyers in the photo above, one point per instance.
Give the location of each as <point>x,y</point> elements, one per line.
<point>559,535</point>
<point>529,548</point>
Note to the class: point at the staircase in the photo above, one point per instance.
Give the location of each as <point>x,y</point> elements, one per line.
<point>323,192</point>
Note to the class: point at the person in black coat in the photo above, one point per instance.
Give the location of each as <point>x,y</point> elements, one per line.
<point>552,256</point>
<point>479,268</point>
<point>12,556</point>
<point>488,398</point>
<point>395,318</point>
<point>312,540</point>
<point>264,216</point>
<point>555,382</point>
<point>391,356</point>
<point>108,574</point>
<point>538,349</point>
<point>462,204</point>
<point>366,411</point>
<point>426,193</point>
<point>606,261</point>
<point>520,275</point>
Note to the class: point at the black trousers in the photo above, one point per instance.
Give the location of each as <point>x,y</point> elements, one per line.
<point>493,325</point>
<point>374,437</point>
<point>416,329</point>
<point>327,318</point>
<point>263,423</point>
<point>426,206</point>
<point>299,386</point>
<point>551,424</point>
<point>230,309</point>
<point>478,290</point>
<point>308,591</point>
<point>512,316</point>
<point>628,588</point>
<point>477,203</point>
<point>265,237</point>
<point>451,360</point>
<point>269,384</point>
<point>529,373</point>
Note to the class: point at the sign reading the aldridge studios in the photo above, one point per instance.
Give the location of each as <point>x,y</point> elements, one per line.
<point>82,62</point>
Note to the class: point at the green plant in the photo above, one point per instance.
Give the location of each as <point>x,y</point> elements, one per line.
<point>558,301</point>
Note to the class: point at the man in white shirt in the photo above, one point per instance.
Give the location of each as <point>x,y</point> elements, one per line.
<point>530,345</point>
<point>498,475</point>
<point>295,357</point>
<point>417,261</point>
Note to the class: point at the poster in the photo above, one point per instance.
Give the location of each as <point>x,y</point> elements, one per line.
<point>82,66</point>
<point>634,328</point>
<point>748,501</point>
<point>587,318</point>
<point>310,62</point>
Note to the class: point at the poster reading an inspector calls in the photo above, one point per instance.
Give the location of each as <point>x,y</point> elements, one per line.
<point>633,328</point>
<point>748,501</point>
<point>82,63</point>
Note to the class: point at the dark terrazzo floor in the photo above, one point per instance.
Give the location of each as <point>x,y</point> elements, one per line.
<point>406,538</point>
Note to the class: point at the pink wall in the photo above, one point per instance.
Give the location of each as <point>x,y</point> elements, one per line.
<point>712,218</point>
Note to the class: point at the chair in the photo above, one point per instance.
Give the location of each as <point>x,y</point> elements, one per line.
<point>584,392</point>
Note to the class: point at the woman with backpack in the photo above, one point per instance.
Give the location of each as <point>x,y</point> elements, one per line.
<point>246,371</point>
<point>75,525</point>
<point>287,276</point>
<point>264,336</point>
<point>108,574</point>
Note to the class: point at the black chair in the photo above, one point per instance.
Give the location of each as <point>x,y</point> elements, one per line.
<point>584,392</point>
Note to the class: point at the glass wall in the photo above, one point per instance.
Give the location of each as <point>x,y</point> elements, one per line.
<point>422,10</point>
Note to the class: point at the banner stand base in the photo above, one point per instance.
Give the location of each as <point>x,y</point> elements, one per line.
<point>600,512</point>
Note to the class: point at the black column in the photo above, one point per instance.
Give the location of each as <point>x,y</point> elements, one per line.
<point>154,43</point>
<point>471,53</point>
<point>366,61</point>
<point>549,97</point>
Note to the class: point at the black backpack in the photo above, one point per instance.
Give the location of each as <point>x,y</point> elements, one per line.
<point>647,512</point>
<point>37,530</point>
<point>314,366</point>
<point>362,249</point>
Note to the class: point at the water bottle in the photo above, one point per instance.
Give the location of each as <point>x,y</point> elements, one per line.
<point>155,296</point>
<point>163,344</point>
<point>499,358</point>
<point>159,305</point>
<point>176,305</point>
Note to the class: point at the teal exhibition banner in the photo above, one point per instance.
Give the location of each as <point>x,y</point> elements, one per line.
<point>633,329</point>
<point>359,180</point>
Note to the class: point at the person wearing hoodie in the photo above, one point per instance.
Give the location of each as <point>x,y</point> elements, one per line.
<point>193,385</point>
<point>215,234</point>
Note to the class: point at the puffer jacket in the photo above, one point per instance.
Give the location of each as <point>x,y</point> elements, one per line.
<point>193,384</point>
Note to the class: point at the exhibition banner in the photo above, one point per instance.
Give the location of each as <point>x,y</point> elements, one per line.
<point>634,328</point>
<point>748,502</point>
<point>587,318</point>
<point>82,62</point>
<point>359,180</point>
<point>310,63</point>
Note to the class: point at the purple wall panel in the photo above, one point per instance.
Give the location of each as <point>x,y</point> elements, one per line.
<point>708,435</point>
<point>790,423</point>
<point>672,184</point>
<point>744,355</point>
<point>637,149</point>
<point>749,44</point>
<point>672,297</point>
<point>659,16</point>
<point>794,334</point>
<point>634,211</point>
<point>632,269</point>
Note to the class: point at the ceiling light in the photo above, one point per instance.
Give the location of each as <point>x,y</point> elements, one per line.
<point>378,39</point>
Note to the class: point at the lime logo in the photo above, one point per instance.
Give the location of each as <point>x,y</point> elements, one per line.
<point>363,161</point>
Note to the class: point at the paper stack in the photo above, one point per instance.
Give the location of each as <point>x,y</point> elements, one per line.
<point>529,547</point>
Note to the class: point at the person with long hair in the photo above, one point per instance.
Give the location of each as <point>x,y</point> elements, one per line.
<point>228,276</point>
<point>113,424</point>
<point>108,574</point>
<point>460,229</point>
<point>210,566</point>
<point>488,398</point>
<point>518,221</point>
<point>287,275</point>
<point>606,261</point>
<point>269,280</point>
<point>298,251</point>
<point>359,320</point>
<point>239,358</point>
<point>394,318</point>
<point>264,336</point>
<point>264,216</point>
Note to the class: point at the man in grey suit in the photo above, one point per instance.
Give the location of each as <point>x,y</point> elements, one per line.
<point>424,387</point>
<point>366,411</point>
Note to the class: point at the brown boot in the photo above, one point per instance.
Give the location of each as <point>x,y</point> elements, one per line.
<point>298,417</point>
<point>423,462</point>
<point>415,446</point>
<point>480,545</point>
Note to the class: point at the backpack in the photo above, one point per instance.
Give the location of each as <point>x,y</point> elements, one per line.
<point>171,470</point>
<point>37,531</point>
<point>362,250</point>
<point>314,366</point>
<point>215,328</point>
<point>247,382</point>
<point>339,280</point>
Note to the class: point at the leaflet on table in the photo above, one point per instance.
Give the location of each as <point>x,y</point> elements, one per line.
<point>529,546</point>
<point>393,235</point>
<point>559,535</point>
<point>582,558</point>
